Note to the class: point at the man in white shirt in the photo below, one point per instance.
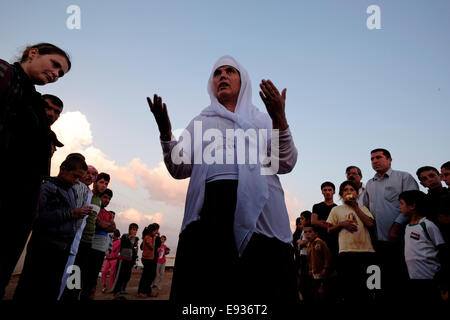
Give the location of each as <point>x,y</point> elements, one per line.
<point>354,174</point>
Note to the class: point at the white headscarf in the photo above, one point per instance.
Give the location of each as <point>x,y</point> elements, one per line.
<point>253,191</point>
<point>245,113</point>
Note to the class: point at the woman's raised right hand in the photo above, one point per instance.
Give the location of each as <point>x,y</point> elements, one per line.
<point>159,110</point>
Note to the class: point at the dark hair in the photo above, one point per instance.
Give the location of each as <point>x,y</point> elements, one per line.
<point>133,225</point>
<point>107,192</point>
<point>386,153</point>
<point>327,184</point>
<point>54,99</point>
<point>163,236</point>
<point>416,197</point>
<point>353,167</point>
<point>74,163</point>
<point>117,233</point>
<point>446,165</point>
<point>103,176</point>
<point>75,155</point>
<point>45,48</point>
<point>297,221</point>
<point>425,168</point>
<point>306,214</point>
<point>309,225</point>
<point>346,183</point>
<point>151,227</point>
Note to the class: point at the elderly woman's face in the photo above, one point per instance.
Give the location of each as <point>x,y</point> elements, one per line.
<point>226,83</point>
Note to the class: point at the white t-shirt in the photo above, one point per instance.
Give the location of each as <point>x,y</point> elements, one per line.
<point>420,252</point>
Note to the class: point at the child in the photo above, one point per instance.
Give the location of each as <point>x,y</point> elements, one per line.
<point>161,266</point>
<point>127,258</point>
<point>352,222</point>
<point>425,252</point>
<point>303,269</point>
<point>148,260</point>
<point>53,233</point>
<point>104,224</point>
<point>319,261</point>
<point>111,262</point>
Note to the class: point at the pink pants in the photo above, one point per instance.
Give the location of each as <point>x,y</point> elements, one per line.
<point>111,266</point>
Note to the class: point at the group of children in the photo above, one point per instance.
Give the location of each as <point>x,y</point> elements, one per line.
<point>326,273</point>
<point>74,236</point>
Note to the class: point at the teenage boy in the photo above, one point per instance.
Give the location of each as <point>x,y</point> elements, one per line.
<point>84,194</point>
<point>53,233</point>
<point>430,178</point>
<point>444,205</point>
<point>83,255</point>
<point>104,225</point>
<point>320,213</point>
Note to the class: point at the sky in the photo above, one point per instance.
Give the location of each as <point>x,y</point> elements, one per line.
<point>350,89</point>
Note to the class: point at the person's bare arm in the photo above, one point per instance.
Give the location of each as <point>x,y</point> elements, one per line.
<point>318,223</point>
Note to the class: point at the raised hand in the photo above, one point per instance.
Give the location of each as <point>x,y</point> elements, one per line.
<point>159,110</point>
<point>275,103</point>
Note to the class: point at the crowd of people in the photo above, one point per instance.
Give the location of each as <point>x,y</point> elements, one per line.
<point>252,254</point>
<point>387,224</point>
<point>73,235</point>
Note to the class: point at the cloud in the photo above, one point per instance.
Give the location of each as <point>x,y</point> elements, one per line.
<point>293,204</point>
<point>132,215</point>
<point>159,184</point>
<point>74,130</point>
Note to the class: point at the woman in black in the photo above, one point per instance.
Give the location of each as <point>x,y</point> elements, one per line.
<point>25,145</point>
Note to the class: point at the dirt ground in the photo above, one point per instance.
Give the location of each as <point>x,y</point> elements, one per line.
<point>132,287</point>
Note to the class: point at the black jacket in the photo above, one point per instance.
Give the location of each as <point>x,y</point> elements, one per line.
<point>25,141</point>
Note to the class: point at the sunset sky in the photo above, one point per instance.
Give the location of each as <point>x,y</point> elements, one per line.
<point>349,89</point>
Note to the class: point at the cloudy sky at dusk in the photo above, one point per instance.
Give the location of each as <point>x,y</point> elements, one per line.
<point>350,89</point>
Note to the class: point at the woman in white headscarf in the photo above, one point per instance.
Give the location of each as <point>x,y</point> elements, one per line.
<point>235,240</point>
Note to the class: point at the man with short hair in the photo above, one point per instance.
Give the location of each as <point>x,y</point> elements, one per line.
<point>381,198</point>
<point>354,174</point>
<point>53,107</point>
